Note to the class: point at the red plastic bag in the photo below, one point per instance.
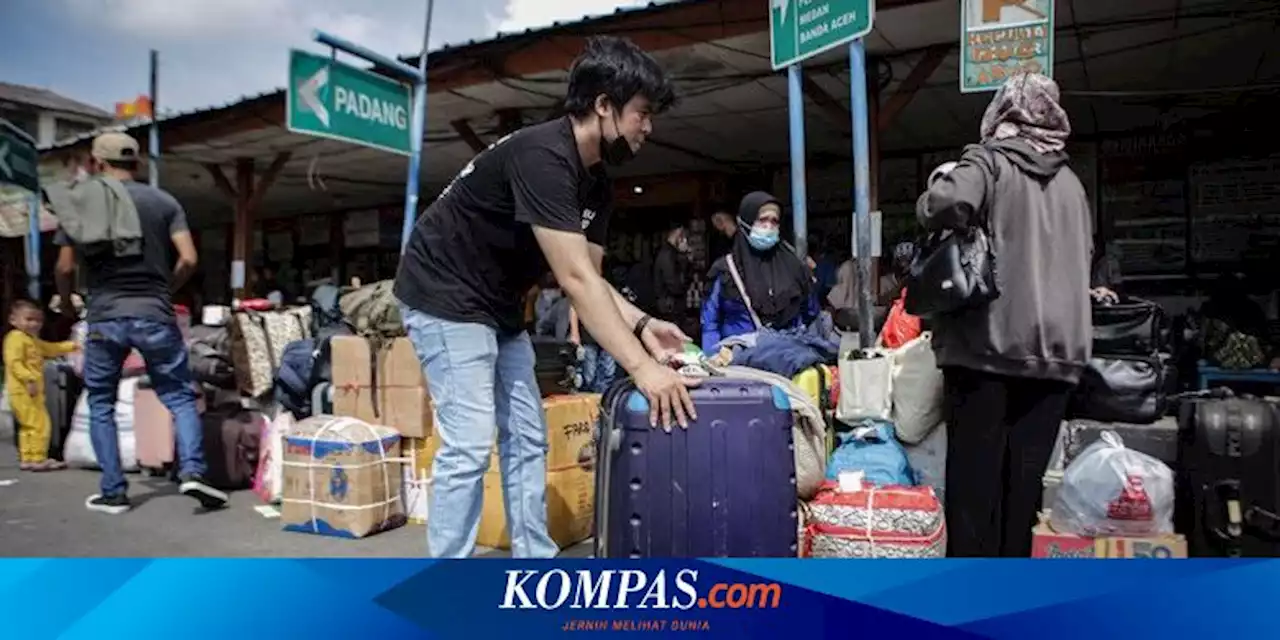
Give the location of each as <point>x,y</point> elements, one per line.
<point>900,327</point>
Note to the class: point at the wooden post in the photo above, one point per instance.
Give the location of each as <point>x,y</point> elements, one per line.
<point>242,231</point>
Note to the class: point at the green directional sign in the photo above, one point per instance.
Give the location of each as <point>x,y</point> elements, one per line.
<point>801,29</point>
<point>333,100</point>
<point>19,160</point>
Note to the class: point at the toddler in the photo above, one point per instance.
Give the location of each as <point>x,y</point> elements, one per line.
<point>24,356</point>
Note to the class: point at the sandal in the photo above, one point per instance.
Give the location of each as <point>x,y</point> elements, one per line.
<point>57,465</point>
<point>45,465</point>
<point>27,466</point>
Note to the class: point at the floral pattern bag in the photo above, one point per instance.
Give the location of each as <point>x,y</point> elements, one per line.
<point>258,341</point>
<point>876,522</point>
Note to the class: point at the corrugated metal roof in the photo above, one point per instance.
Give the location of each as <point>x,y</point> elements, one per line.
<point>447,49</point>
<point>558,24</point>
<point>42,98</point>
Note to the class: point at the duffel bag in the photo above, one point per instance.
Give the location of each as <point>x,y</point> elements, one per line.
<point>1128,389</point>
<point>1132,327</point>
<point>874,522</point>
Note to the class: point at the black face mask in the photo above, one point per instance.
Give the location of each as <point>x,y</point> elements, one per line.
<point>618,151</point>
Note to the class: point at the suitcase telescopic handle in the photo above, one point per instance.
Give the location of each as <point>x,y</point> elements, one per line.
<point>1224,519</point>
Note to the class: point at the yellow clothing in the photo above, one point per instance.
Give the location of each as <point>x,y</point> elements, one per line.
<point>24,358</point>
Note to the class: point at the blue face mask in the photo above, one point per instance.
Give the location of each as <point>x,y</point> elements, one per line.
<point>763,239</point>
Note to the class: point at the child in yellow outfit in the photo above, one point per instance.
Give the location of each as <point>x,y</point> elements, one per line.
<point>24,356</point>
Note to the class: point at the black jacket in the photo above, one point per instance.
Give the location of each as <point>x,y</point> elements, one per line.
<point>1040,326</point>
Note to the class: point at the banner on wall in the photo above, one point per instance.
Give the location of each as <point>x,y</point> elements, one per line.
<point>1001,37</point>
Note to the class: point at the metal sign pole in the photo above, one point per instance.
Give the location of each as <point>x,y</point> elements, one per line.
<point>33,248</point>
<point>861,188</point>
<point>153,142</point>
<point>799,200</point>
<point>417,131</point>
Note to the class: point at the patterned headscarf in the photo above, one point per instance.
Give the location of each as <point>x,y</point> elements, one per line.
<point>1026,107</point>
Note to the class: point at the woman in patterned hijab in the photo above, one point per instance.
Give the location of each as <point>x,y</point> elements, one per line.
<point>1026,107</point>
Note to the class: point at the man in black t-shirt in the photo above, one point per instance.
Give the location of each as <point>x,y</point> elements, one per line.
<point>534,199</point>
<point>130,306</point>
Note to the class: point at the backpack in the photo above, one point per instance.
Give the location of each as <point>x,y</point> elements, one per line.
<point>373,312</point>
<point>294,378</point>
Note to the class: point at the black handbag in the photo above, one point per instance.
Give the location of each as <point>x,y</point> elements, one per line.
<point>954,270</point>
<point>951,271</point>
<point>1131,327</point>
<point>1129,389</point>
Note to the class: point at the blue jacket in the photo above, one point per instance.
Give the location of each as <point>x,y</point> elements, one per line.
<point>724,318</point>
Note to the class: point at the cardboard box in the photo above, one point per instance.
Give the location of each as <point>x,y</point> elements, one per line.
<point>402,400</point>
<point>570,508</point>
<point>1047,543</point>
<point>571,421</point>
<point>342,478</point>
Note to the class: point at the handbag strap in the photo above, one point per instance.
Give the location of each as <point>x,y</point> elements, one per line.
<point>742,289</point>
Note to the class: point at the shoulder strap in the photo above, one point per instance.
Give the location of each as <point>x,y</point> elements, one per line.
<point>746,298</point>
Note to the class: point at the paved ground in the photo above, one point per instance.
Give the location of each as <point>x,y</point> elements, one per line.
<point>43,515</point>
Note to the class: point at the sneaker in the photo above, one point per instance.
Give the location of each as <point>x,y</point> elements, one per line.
<point>196,487</point>
<point>114,505</point>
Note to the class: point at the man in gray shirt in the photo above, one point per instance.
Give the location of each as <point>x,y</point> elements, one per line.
<point>130,307</point>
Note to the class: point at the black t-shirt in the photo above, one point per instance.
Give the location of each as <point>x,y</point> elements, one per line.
<point>472,256</point>
<point>137,286</point>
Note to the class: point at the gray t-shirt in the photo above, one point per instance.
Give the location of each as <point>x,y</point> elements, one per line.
<point>137,286</point>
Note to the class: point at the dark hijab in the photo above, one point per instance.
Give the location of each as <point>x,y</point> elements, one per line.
<point>777,281</point>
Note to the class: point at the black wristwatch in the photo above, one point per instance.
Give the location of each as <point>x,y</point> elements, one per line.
<point>641,324</point>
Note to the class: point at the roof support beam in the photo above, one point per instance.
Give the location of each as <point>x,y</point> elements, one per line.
<point>468,135</point>
<point>920,74</point>
<point>828,104</point>
<point>267,180</point>
<point>220,180</point>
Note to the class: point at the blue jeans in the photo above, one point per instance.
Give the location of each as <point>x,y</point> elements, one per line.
<point>482,383</point>
<point>599,369</point>
<point>107,344</point>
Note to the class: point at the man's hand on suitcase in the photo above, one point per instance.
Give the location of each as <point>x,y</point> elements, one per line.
<point>668,394</point>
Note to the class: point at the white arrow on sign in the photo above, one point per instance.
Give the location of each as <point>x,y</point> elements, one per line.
<point>782,5</point>
<point>4,161</point>
<point>309,92</point>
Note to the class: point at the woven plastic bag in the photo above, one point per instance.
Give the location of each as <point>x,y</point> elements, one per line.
<point>1110,490</point>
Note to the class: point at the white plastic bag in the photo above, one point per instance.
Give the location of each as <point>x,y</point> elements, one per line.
<point>1113,491</point>
<point>866,386</point>
<point>269,480</point>
<point>78,450</point>
<point>916,389</point>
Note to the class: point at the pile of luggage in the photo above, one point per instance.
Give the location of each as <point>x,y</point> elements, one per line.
<point>1141,470</point>
<point>813,466</point>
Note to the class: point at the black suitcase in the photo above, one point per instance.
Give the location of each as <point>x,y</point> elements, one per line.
<point>1229,463</point>
<point>556,365</point>
<point>62,389</point>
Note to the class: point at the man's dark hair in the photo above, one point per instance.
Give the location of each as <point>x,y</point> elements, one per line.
<point>620,70</point>
<point>23,304</point>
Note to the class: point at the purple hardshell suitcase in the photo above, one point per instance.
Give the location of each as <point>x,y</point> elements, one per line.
<point>725,487</point>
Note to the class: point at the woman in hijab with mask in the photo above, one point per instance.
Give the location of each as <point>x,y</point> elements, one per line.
<point>778,285</point>
<point>1009,366</point>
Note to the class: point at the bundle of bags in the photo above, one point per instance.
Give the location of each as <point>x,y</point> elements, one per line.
<point>1131,375</point>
